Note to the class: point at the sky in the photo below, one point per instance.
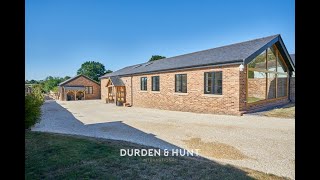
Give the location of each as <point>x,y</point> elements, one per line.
<point>60,35</point>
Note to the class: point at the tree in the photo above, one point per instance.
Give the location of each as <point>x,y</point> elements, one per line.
<point>92,69</point>
<point>156,57</point>
<point>66,78</point>
<point>108,71</point>
<point>32,81</point>
<point>51,82</point>
<point>55,89</point>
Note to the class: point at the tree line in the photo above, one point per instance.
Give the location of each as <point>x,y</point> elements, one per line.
<point>91,69</point>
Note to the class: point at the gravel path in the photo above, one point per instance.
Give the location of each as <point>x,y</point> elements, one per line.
<point>261,143</point>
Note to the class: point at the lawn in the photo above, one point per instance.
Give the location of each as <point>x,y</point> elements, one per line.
<point>253,99</point>
<point>55,156</point>
<point>287,111</point>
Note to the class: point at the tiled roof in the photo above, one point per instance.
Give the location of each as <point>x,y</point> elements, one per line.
<point>234,53</point>
<point>116,81</point>
<point>75,77</point>
<point>293,57</point>
<point>74,88</point>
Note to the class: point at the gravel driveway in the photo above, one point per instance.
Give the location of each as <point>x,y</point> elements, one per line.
<point>261,143</point>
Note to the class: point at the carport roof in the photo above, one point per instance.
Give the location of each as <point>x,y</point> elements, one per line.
<point>75,77</point>
<point>74,88</point>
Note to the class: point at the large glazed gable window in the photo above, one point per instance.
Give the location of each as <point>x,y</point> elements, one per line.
<point>267,76</point>
<point>213,82</point>
<point>256,86</point>
<point>259,62</point>
<point>155,83</point>
<point>272,58</point>
<point>143,83</point>
<point>281,67</point>
<point>181,83</point>
<point>282,85</point>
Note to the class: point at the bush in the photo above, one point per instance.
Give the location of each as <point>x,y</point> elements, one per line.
<point>55,89</point>
<point>33,102</point>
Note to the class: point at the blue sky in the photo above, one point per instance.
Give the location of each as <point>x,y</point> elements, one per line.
<point>62,34</point>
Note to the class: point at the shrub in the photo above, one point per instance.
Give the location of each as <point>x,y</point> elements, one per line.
<point>55,89</point>
<point>33,102</point>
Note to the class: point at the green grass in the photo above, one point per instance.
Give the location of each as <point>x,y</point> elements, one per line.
<point>253,99</point>
<point>287,111</point>
<point>54,156</point>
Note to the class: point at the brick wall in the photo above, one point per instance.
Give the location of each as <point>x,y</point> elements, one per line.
<point>104,89</point>
<point>194,100</point>
<point>292,89</point>
<point>127,82</point>
<point>257,88</point>
<point>82,81</point>
<point>232,101</point>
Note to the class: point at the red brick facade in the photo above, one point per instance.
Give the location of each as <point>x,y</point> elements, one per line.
<point>232,101</point>
<point>81,81</point>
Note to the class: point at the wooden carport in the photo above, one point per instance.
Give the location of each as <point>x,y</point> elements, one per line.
<point>76,93</point>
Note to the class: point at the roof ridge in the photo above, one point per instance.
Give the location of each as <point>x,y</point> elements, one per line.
<point>204,50</point>
<point>191,57</point>
<point>65,81</point>
<point>70,79</point>
<point>219,47</point>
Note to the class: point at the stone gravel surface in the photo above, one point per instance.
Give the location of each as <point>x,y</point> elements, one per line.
<point>268,144</point>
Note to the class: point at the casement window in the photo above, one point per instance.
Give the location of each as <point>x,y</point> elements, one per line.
<point>181,83</point>
<point>143,83</point>
<point>155,83</point>
<point>89,90</point>
<point>213,82</point>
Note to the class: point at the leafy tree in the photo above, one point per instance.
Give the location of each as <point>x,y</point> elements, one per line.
<point>55,89</point>
<point>108,71</point>
<point>66,78</point>
<point>51,82</point>
<point>156,57</point>
<point>92,69</point>
<point>32,81</point>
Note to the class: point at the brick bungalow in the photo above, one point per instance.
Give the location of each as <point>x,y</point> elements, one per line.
<point>232,79</point>
<point>79,87</point>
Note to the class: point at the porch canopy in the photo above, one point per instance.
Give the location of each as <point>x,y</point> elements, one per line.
<point>74,88</point>
<point>116,90</point>
<point>116,81</point>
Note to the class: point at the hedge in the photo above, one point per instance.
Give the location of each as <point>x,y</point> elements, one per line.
<point>33,102</point>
